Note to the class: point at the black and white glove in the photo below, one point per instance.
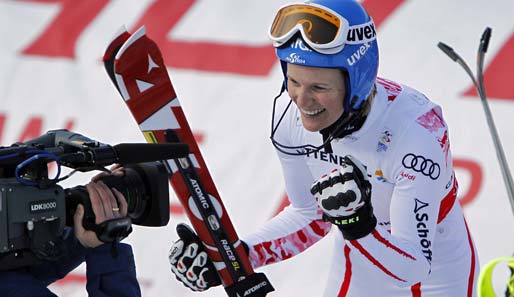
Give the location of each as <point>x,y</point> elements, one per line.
<point>190,263</point>
<point>344,196</point>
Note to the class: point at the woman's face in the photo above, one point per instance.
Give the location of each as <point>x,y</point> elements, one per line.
<point>318,93</point>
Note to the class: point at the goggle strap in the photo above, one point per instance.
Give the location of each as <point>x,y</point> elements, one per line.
<point>361,33</point>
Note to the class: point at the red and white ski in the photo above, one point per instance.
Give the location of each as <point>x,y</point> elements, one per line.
<point>136,67</point>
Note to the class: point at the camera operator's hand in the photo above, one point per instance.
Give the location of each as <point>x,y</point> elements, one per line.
<point>106,203</point>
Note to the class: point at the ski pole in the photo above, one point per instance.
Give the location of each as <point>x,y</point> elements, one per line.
<point>479,85</point>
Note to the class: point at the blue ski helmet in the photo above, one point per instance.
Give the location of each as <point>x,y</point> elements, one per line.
<point>356,54</point>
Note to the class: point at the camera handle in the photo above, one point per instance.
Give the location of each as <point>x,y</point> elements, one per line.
<point>114,230</point>
<point>111,231</point>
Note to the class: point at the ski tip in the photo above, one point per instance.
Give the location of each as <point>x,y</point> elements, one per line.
<point>116,42</point>
<point>122,30</point>
<point>138,34</point>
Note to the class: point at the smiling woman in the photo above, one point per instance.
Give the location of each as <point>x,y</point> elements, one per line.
<point>318,93</point>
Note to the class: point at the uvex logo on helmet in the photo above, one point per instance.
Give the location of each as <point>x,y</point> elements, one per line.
<point>358,54</point>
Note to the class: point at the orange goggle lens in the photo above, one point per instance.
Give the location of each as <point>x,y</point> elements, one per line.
<point>319,25</point>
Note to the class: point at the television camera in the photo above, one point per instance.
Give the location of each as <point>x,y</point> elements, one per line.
<point>34,209</point>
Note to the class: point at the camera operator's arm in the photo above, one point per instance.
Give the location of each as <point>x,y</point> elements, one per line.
<point>105,274</point>
<point>33,281</point>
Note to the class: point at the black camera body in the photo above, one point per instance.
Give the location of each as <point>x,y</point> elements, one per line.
<point>30,224</point>
<point>34,209</point>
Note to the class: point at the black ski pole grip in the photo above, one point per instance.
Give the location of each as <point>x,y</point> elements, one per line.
<point>484,41</point>
<point>448,51</point>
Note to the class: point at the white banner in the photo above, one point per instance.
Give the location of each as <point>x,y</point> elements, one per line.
<point>225,74</point>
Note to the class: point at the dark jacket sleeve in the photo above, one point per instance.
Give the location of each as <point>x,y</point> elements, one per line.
<point>22,284</point>
<point>33,281</point>
<point>108,276</point>
<point>52,271</point>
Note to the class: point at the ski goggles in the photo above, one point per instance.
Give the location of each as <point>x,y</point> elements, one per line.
<point>323,29</point>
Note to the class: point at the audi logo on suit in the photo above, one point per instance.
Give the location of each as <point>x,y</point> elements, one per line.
<point>423,165</point>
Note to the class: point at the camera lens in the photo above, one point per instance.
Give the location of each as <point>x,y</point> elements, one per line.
<point>145,188</point>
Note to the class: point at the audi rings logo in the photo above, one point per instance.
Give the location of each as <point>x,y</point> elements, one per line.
<point>423,165</point>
